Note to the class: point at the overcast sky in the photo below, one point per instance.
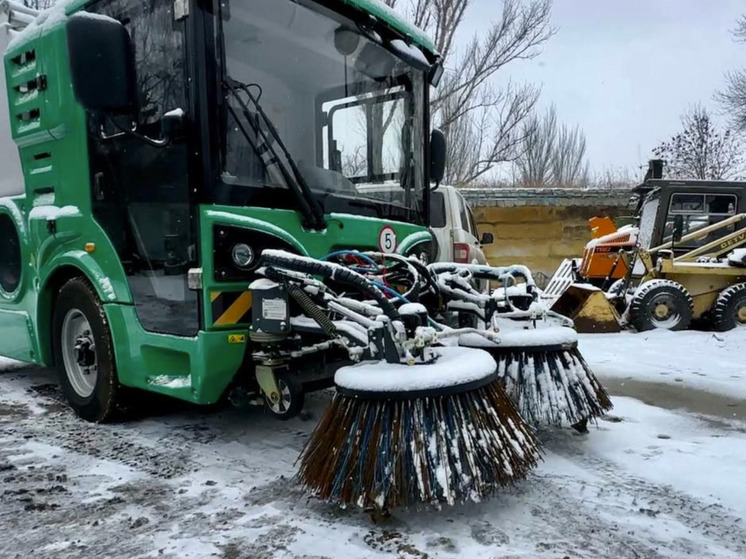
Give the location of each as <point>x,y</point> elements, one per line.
<point>624,70</point>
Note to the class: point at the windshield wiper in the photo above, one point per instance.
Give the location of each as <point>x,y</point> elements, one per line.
<point>312,214</point>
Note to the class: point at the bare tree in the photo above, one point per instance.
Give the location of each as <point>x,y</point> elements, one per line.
<point>701,150</point>
<point>551,155</point>
<point>481,120</point>
<point>534,163</point>
<point>568,158</point>
<point>733,98</point>
<point>614,178</point>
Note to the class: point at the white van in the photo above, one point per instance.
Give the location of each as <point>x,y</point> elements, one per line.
<point>451,221</point>
<point>455,229</point>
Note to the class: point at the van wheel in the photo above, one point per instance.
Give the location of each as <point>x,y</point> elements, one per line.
<point>661,303</point>
<point>729,310</point>
<point>83,352</point>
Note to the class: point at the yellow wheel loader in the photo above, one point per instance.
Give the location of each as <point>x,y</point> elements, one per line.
<point>688,263</point>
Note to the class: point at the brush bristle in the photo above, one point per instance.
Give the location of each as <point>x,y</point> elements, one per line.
<point>551,388</point>
<point>392,453</point>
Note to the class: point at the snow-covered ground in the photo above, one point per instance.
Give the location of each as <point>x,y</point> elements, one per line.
<point>645,483</point>
<point>710,361</point>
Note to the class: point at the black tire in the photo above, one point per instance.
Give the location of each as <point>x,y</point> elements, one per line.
<point>292,397</point>
<point>663,304</point>
<point>729,309</point>
<point>77,298</point>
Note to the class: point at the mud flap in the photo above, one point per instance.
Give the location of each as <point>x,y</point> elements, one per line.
<point>589,308</point>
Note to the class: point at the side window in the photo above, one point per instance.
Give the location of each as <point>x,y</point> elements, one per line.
<point>158,42</point>
<point>699,211</point>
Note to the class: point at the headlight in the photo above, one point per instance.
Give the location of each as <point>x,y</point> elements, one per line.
<point>243,255</point>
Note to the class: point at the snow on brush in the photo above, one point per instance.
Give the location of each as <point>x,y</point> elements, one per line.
<point>455,366</point>
<point>175,482</point>
<point>524,338</point>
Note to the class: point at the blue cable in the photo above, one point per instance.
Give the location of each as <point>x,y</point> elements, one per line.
<point>359,254</point>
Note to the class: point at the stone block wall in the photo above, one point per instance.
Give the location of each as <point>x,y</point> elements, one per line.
<point>541,227</point>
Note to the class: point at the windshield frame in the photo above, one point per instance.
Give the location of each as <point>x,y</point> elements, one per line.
<point>416,210</point>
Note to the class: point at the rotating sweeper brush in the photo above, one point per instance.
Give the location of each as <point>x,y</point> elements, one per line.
<point>412,422</point>
<point>536,350</point>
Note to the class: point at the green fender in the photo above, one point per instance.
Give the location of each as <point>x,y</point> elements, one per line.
<point>109,290</point>
<point>413,240</point>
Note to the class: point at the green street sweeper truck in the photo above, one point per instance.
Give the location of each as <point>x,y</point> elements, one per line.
<point>150,151</point>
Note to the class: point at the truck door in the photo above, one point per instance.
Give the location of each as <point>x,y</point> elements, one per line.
<point>141,194</point>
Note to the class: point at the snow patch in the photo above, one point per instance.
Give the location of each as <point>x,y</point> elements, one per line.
<point>168,381</point>
<point>456,365</point>
<point>412,308</point>
<point>263,284</point>
<point>107,288</point>
<point>50,213</point>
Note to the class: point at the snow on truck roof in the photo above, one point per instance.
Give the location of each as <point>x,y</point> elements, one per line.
<point>376,8</point>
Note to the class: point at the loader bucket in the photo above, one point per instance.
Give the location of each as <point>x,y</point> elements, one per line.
<point>589,308</point>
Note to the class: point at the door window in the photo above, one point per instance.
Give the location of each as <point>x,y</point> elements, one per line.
<point>699,211</point>
<point>141,192</point>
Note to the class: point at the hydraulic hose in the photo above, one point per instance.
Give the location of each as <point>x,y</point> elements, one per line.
<point>358,282</point>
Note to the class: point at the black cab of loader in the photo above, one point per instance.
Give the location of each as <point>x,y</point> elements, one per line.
<point>694,203</point>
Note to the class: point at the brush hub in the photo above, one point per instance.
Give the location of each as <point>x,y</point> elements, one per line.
<point>457,370</point>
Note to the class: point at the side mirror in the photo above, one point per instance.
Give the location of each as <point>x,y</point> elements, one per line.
<point>678,228</point>
<point>487,239</point>
<point>437,156</point>
<point>102,64</point>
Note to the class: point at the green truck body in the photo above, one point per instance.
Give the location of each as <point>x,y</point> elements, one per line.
<point>182,339</point>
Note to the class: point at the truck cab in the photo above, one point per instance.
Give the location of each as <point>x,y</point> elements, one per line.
<point>163,145</point>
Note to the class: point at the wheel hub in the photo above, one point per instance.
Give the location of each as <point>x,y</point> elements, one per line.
<point>741,314</point>
<point>84,349</point>
<point>79,353</point>
<point>662,311</point>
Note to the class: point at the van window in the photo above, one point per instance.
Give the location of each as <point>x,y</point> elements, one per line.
<point>437,209</point>
<point>467,218</point>
<point>463,212</point>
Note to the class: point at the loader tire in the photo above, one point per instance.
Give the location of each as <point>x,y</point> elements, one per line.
<point>729,310</point>
<point>84,353</point>
<point>661,303</point>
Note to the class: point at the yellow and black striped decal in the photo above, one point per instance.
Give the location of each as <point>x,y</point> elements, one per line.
<point>230,307</point>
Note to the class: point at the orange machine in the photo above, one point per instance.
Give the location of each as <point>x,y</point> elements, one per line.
<point>602,256</point>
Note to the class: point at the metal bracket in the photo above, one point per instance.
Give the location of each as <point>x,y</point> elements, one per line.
<point>194,279</point>
<point>265,376</point>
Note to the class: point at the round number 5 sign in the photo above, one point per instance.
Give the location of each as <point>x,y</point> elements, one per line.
<point>387,240</point>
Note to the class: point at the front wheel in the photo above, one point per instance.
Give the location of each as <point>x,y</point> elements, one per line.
<point>83,352</point>
<point>663,304</point>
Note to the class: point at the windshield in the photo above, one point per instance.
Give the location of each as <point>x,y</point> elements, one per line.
<point>348,114</point>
